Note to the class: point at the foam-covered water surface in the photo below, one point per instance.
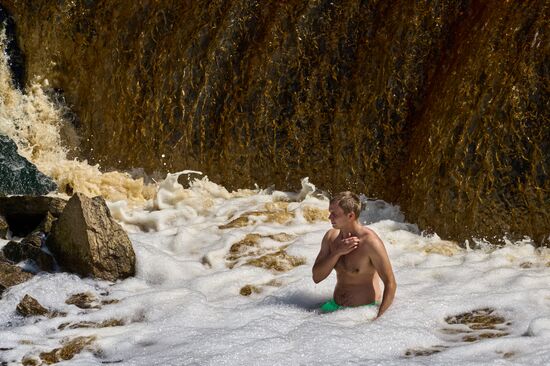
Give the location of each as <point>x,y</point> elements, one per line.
<point>225,278</point>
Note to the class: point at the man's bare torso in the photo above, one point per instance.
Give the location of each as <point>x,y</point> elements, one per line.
<point>357,281</point>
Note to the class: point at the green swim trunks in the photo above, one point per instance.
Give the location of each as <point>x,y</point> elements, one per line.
<point>331,305</point>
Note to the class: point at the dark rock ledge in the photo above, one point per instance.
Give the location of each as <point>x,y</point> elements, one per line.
<point>81,234</point>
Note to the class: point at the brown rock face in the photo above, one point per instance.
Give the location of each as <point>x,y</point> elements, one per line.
<point>440,107</point>
<point>86,240</point>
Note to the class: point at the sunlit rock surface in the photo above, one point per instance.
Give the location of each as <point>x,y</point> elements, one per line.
<point>88,241</point>
<point>440,107</point>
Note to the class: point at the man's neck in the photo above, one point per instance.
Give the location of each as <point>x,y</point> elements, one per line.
<point>353,229</point>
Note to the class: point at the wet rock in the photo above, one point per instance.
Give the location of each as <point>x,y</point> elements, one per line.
<point>87,240</point>
<point>19,176</point>
<point>247,290</point>
<point>83,300</point>
<point>11,275</point>
<point>89,324</point>
<point>3,227</point>
<point>69,349</point>
<point>279,261</point>
<point>29,248</point>
<point>29,306</point>
<point>476,325</point>
<point>25,214</point>
<point>423,351</point>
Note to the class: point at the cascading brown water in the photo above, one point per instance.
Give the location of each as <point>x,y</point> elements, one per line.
<point>441,107</point>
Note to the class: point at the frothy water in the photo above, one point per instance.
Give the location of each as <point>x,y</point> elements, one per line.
<point>186,304</point>
<point>224,278</point>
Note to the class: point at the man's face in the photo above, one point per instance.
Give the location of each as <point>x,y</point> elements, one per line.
<point>337,216</point>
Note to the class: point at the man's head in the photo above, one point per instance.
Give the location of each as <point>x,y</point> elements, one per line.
<point>349,202</point>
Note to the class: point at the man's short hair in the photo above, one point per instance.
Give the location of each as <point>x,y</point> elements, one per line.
<point>349,202</point>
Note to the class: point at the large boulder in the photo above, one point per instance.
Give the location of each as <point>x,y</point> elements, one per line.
<point>87,240</point>
<point>19,176</point>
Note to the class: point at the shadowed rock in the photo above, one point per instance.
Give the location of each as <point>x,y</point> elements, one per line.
<point>25,214</point>
<point>29,249</point>
<point>86,240</point>
<point>29,306</point>
<point>19,176</point>
<point>3,227</point>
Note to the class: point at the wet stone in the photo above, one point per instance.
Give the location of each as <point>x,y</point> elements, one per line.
<point>279,261</point>
<point>29,306</point>
<point>83,300</point>
<point>248,290</point>
<point>416,352</point>
<point>11,275</point>
<point>69,349</point>
<point>476,325</point>
<point>90,324</point>
<point>4,228</point>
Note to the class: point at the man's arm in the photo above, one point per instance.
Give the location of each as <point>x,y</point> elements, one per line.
<point>381,262</point>
<point>327,258</point>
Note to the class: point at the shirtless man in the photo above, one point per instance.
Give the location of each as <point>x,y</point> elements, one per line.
<point>358,256</point>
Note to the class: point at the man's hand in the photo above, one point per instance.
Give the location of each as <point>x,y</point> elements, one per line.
<point>346,245</point>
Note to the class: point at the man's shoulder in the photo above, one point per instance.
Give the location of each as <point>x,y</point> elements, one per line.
<point>369,236</point>
<point>331,234</point>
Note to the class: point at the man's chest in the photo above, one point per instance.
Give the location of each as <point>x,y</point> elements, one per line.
<point>356,262</point>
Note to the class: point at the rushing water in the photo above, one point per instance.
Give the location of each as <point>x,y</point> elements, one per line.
<point>438,106</point>
<point>224,277</point>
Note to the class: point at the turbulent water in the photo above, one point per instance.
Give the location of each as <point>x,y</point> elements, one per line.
<point>441,107</point>
<point>224,277</point>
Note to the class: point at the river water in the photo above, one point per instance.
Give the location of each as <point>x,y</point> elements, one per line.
<point>224,277</point>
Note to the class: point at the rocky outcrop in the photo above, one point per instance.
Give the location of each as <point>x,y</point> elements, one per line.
<point>19,176</point>
<point>31,217</point>
<point>86,240</point>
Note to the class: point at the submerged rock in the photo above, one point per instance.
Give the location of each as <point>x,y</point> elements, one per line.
<point>69,349</point>
<point>87,240</point>
<point>83,300</point>
<point>19,176</point>
<point>29,306</point>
